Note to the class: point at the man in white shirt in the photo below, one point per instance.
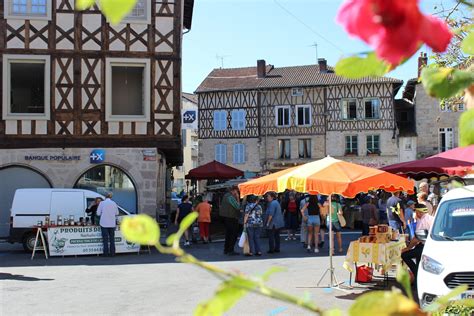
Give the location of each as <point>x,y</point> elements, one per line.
<point>108,210</point>
<point>424,221</point>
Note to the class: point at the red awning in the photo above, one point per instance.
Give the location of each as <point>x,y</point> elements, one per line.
<point>214,170</point>
<point>455,162</point>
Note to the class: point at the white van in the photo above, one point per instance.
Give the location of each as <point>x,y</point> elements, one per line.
<point>448,256</point>
<point>33,205</point>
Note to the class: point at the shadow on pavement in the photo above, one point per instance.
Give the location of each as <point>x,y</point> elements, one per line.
<point>19,277</point>
<point>13,255</point>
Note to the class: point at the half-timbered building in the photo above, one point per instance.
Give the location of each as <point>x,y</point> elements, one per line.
<point>89,104</point>
<point>267,118</point>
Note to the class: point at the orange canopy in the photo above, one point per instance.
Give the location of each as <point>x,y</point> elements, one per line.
<point>328,176</point>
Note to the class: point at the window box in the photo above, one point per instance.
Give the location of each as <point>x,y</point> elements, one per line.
<point>376,153</point>
<point>350,154</point>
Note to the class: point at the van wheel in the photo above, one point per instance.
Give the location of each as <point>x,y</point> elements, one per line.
<point>29,242</point>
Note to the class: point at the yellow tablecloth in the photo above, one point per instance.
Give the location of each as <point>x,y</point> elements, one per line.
<point>379,254</point>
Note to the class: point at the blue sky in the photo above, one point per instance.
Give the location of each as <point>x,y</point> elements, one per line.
<point>247,30</point>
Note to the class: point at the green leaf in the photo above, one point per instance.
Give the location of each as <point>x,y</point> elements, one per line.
<point>170,240</point>
<point>188,221</point>
<point>384,303</point>
<point>84,4</point>
<point>467,44</point>
<point>443,301</point>
<point>403,277</point>
<point>266,275</point>
<point>357,67</point>
<point>116,10</point>
<point>224,299</point>
<point>446,82</point>
<point>140,229</point>
<point>466,128</point>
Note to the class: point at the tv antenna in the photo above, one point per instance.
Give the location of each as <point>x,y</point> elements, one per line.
<point>315,45</point>
<point>221,59</point>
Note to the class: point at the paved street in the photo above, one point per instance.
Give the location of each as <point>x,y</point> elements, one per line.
<point>155,284</point>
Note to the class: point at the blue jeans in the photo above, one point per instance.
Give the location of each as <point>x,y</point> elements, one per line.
<point>274,239</point>
<point>396,226</point>
<point>108,238</point>
<point>253,234</point>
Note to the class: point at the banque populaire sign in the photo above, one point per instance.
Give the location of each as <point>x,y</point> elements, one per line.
<point>83,240</point>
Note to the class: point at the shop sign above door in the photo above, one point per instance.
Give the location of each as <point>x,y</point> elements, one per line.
<point>52,158</point>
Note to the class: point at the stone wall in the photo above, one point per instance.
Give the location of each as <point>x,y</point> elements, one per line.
<point>388,147</point>
<point>429,119</point>
<point>147,176</point>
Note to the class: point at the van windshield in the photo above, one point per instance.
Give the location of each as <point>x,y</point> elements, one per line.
<point>454,220</point>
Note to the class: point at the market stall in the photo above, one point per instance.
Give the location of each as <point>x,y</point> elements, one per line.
<point>70,238</point>
<point>328,176</point>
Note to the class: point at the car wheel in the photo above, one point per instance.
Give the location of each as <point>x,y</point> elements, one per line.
<point>29,242</point>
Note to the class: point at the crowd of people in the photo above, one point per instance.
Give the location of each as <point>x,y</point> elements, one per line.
<point>290,212</point>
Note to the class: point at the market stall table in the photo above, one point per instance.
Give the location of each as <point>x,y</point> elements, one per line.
<point>380,254</point>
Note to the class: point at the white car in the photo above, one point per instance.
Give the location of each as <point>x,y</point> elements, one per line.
<point>448,256</point>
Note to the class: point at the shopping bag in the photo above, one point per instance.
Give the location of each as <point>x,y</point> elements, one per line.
<point>242,239</point>
<point>364,274</point>
<point>341,219</point>
<point>246,246</point>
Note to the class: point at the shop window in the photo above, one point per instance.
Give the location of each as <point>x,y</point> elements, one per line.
<point>446,139</point>
<point>238,120</point>
<point>105,178</point>
<point>284,149</point>
<point>128,90</point>
<point>220,120</point>
<point>373,144</point>
<point>372,108</point>
<point>26,86</point>
<point>304,148</point>
<point>351,145</point>
<point>28,9</point>
<point>221,153</point>
<point>282,116</point>
<point>239,154</point>
<point>349,109</point>
<point>303,115</point>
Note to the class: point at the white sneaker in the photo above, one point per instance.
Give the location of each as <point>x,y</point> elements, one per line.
<point>187,243</point>
<point>316,250</point>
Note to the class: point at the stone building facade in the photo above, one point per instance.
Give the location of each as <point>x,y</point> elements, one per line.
<point>88,104</point>
<point>292,115</point>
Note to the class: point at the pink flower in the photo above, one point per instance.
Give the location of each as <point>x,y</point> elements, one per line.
<point>394,28</point>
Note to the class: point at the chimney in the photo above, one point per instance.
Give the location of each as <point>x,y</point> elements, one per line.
<point>323,65</point>
<point>422,62</point>
<point>261,68</point>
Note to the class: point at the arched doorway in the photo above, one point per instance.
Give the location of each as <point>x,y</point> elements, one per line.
<point>108,178</point>
<point>13,178</point>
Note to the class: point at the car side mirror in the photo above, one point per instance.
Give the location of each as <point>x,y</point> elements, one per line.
<point>421,235</point>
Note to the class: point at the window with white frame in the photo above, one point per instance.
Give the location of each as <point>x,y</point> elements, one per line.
<point>220,151</point>
<point>372,108</point>
<point>349,109</point>
<point>28,9</point>
<point>446,139</point>
<point>238,120</point>
<point>297,92</point>
<point>26,87</point>
<point>284,149</point>
<point>140,13</point>
<point>304,148</point>
<point>239,154</point>
<point>373,144</point>
<point>351,145</point>
<point>303,115</point>
<point>282,116</point>
<point>127,89</point>
<point>220,120</point>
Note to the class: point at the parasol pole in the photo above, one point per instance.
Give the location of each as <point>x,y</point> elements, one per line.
<point>334,283</point>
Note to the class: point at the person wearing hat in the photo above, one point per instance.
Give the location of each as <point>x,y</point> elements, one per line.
<point>411,255</point>
<point>409,218</point>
